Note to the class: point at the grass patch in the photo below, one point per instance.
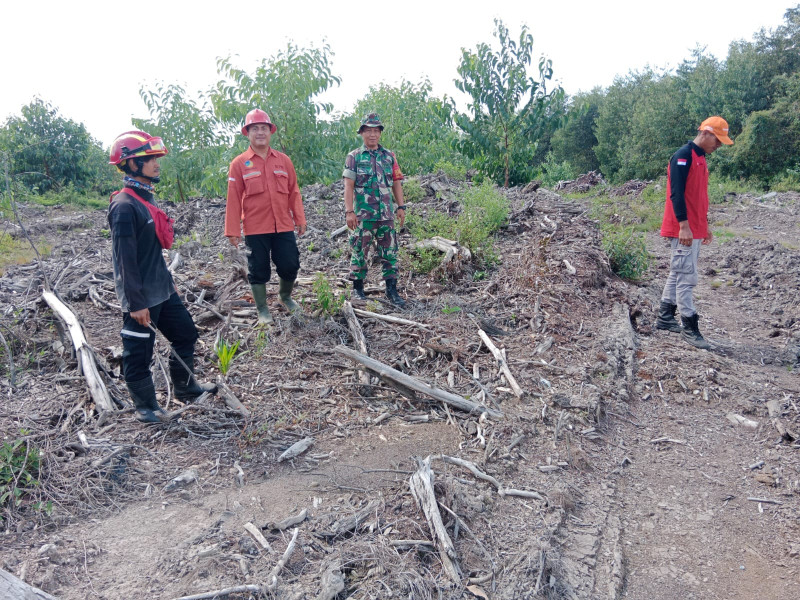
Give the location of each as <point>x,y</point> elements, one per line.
<point>17,251</point>
<point>720,189</point>
<point>627,253</point>
<point>483,211</point>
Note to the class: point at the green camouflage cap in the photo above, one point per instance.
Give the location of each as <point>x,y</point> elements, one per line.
<point>371,120</point>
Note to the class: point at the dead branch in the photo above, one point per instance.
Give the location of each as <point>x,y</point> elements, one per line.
<point>256,534</point>
<point>12,373</point>
<point>272,581</point>
<point>774,408</point>
<point>339,231</point>
<point>230,398</point>
<point>396,378</point>
<point>421,484</point>
<point>360,343</point>
<point>288,522</point>
<point>296,449</point>
<point>239,589</point>
<point>389,318</point>
<point>498,355</point>
<point>501,491</point>
<point>83,351</point>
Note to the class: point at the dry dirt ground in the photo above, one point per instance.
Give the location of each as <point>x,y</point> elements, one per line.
<point>659,471</point>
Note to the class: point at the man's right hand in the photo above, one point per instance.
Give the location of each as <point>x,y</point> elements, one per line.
<point>142,317</point>
<point>234,240</point>
<point>352,221</point>
<point>685,233</point>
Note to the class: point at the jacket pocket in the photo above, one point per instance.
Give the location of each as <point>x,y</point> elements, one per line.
<point>282,182</point>
<point>253,183</point>
<point>681,261</point>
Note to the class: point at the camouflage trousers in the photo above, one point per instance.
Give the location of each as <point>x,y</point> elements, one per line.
<point>385,237</point>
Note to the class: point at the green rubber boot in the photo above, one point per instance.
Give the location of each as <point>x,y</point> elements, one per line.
<point>260,296</point>
<point>285,294</point>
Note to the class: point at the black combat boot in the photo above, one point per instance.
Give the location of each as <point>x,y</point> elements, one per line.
<point>143,394</point>
<point>358,290</point>
<point>392,295</point>
<point>186,387</point>
<point>691,332</point>
<point>666,317</point>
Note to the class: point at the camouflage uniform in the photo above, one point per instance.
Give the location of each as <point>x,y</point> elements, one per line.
<point>374,172</point>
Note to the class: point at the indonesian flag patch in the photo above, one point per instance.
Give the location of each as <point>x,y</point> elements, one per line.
<point>681,162</point>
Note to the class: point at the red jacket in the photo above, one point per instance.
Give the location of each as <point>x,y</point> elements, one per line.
<point>263,196</point>
<point>687,193</point>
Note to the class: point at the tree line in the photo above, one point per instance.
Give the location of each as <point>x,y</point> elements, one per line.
<point>517,126</point>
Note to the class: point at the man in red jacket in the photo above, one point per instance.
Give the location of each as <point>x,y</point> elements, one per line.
<point>686,224</point>
<point>264,200</point>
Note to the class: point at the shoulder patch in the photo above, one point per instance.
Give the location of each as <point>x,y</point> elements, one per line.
<point>681,162</point>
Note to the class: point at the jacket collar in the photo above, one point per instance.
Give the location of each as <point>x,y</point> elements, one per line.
<point>250,153</point>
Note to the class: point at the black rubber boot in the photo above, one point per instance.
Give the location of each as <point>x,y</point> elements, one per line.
<point>666,318</point>
<point>187,389</point>
<point>392,295</point>
<point>358,290</point>
<point>143,394</point>
<point>691,332</point>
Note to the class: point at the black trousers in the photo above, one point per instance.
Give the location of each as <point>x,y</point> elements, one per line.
<point>173,320</point>
<point>281,247</point>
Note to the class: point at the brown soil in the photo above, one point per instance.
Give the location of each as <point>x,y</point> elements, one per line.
<point>625,516</point>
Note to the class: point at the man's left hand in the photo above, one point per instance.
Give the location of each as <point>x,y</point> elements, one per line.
<point>300,229</point>
<point>401,218</point>
<point>708,239</point>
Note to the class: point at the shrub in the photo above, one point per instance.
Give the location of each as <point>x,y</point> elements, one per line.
<point>19,468</point>
<point>627,253</point>
<point>484,210</point>
<point>327,300</point>
<point>412,190</point>
<point>424,260</point>
<point>551,172</point>
<point>457,172</point>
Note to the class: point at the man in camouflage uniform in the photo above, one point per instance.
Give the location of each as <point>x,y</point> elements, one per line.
<point>371,175</point>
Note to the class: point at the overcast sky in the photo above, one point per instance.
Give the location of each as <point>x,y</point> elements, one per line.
<point>89,58</point>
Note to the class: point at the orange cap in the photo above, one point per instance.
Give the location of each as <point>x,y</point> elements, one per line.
<point>719,127</point>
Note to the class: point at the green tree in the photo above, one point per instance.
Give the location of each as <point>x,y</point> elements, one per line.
<point>508,109</point>
<point>287,86</point>
<point>46,151</point>
<point>419,128</point>
<point>199,152</point>
<point>575,140</point>
<point>770,140</point>
<point>615,120</point>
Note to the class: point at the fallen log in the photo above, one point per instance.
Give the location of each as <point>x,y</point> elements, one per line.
<point>13,588</point>
<point>296,449</point>
<point>83,352</point>
<point>450,248</point>
<point>401,381</point>
<point>421,484</point>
